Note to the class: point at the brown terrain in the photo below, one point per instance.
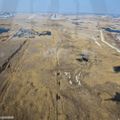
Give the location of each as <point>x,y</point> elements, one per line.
<point>59,69</point>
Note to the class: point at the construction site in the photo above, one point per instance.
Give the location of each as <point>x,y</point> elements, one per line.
<point>59,67</point>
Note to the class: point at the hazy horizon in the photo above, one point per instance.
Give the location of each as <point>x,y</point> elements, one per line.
<point>61,6</point>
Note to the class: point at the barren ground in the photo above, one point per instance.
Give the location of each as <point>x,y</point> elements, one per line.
<point>41,78</point>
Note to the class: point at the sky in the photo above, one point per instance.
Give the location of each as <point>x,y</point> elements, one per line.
<point>62,6</point>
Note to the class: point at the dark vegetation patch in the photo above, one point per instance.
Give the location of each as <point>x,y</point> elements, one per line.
<point>111,30</point>
<point>30,33</point>
<point>3,30</point>
<point>83,58</point>
<point>116,69</point>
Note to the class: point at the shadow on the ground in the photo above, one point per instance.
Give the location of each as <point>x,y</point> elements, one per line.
<point>115,98</point>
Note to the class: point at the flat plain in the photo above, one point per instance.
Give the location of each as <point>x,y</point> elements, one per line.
<point>60,67</point>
